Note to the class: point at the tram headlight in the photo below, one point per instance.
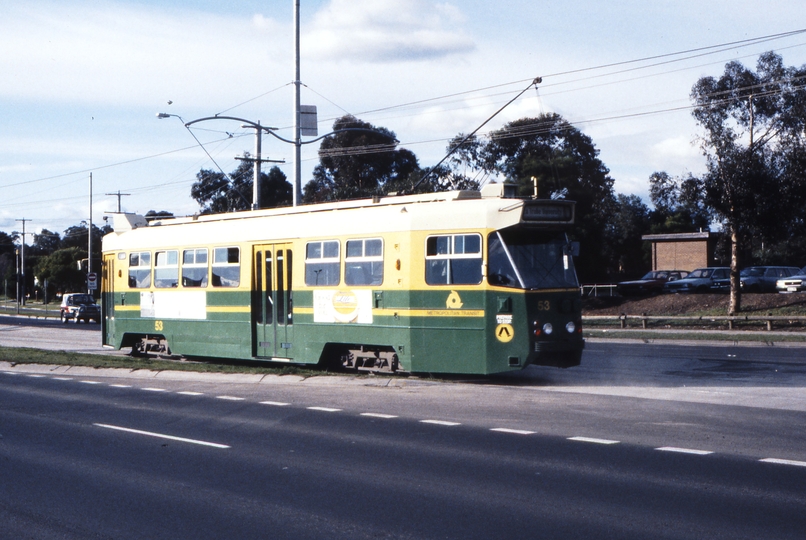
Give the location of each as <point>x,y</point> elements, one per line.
<point>571,327</point>
<point>547,328</point>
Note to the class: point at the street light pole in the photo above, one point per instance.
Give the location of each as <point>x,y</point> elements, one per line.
<point>297,136</point>
<point>21,295</point>
<point>89,243</point>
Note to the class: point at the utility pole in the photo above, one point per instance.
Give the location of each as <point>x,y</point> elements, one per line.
<point>256,161</point>
<point>21,294</point>
<point>118,195</point>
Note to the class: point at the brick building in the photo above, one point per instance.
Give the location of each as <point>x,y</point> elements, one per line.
<point>682,251</point>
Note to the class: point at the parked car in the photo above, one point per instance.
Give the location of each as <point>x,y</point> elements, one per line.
<point>701,280</point>
<point>79,307</point>
<point>757,279</point>
<point>793,283</point>
<point>651,283</point>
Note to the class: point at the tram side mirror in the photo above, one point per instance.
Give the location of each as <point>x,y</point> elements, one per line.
<point>571,248</point>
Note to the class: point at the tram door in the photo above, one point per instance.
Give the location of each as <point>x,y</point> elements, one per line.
<point>273,303</point>
<point>108,299</point>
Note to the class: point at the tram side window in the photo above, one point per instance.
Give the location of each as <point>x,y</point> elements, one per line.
<point>166,269</point>
<point>194,267</point>
<point>363,264</point>
<point>453,259</point>
<point>226,267</point>
<point>322,263</point>
<point>140,270</point>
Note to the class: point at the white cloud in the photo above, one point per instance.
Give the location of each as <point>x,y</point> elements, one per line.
<point>389,31</point>
<point>98,54</point>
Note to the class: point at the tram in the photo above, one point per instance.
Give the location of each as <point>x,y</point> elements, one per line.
<point>465,282</point>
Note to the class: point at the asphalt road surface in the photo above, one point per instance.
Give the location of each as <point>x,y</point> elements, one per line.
<point>641,441</point>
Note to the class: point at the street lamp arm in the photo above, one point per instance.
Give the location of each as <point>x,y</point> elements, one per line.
<point>248,122</point>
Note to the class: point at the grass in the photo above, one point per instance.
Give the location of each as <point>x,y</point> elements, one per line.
<point>23,355</point>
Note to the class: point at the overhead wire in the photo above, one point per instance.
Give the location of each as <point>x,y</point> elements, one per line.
<point>413,105</point>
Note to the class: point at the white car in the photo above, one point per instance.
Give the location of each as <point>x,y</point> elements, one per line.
<point>79,307</point>
<point>794,283</point>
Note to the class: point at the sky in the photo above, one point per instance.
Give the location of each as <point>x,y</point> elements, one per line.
<point>81,83</point>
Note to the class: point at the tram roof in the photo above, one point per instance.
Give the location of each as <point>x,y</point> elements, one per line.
<point>487,208</point>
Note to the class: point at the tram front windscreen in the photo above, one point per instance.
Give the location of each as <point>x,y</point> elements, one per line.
<point>528,259</point>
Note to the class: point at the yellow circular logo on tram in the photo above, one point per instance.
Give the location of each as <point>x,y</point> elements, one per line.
<point>345,305</point>
<point>504,333</point>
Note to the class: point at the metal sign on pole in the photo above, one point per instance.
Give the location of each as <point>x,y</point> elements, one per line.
<point>92,281</point>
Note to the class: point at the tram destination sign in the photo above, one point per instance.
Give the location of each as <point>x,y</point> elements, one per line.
<point>548,212</point>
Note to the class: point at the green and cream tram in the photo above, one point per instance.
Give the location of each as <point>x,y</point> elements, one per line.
<point>454,282</point>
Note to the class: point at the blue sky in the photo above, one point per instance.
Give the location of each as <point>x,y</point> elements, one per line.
<point>82,82</point>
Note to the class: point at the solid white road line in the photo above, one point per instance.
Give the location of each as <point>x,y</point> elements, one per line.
<point>684,450</point>
<point>325,409</point>
<point>592,440</point>
<point>275,403</point>
<point>784,462</point>
<point>162,436</point>
<point>515,431</point>
<point>378,415</point>
<point>440,422</point>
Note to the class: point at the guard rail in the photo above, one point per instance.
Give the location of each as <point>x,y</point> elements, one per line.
<point>731,320</point>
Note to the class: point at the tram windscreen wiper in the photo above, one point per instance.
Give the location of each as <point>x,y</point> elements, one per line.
<point>530,260</point>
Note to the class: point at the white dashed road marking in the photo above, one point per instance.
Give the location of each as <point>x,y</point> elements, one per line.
<point>784,462</point>
<point>684,450</point>
<point>515,431</point>
<point>162,436</point>
<point>592,440</point>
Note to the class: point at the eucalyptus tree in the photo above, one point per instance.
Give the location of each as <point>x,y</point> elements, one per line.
<point>754,143</point>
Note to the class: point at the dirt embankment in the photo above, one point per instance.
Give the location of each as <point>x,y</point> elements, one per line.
<point>686,304</point>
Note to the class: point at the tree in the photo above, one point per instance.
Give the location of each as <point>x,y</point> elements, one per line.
<point>564,164</point>
<point>46,242</point>
<point>624,231</point>
<point>753,142</point>
<point>359,161</point>
<point>60,270</point>
<point>218,193</point>
<point>679,204</point>
<point>153,215</point>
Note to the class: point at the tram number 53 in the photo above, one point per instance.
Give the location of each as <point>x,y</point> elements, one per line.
<point>544,305</point>
<point>158,326</point>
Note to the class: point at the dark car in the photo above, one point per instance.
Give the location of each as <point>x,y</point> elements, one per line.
<point>79,307</point>
<point>757,279</point>
<point>651,283</point>
<point>794,283</point>
<point>701,280</point>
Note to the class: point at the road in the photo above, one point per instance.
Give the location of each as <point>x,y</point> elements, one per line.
<point>641,441</point>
